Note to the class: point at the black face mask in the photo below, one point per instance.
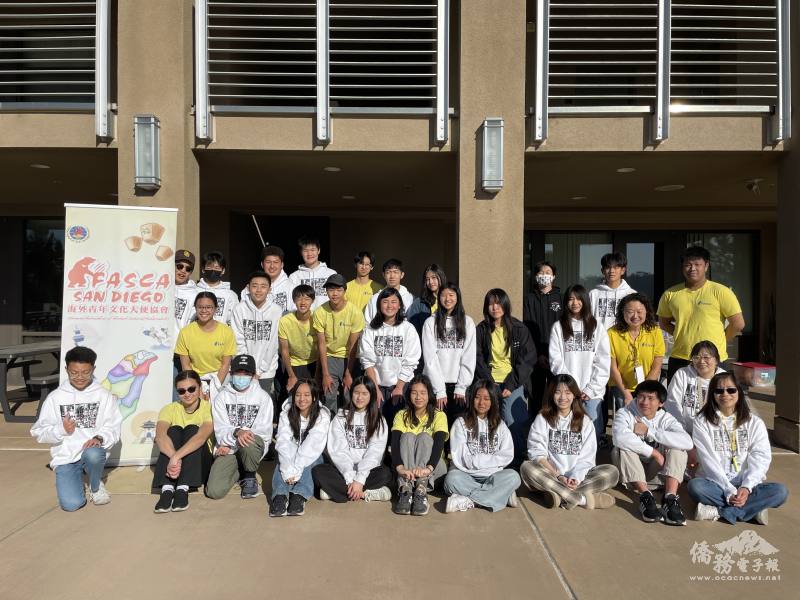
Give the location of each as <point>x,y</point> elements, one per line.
<point>212,276</point>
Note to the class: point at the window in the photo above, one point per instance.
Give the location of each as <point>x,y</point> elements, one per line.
<point>43,274</point>
<point>577,257</point>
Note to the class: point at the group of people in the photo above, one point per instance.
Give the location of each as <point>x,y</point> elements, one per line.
<point>344,371</point>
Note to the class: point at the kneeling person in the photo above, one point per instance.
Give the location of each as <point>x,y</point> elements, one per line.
<point>82,422</point>
<point>242,414</point>
<point>650,449</point>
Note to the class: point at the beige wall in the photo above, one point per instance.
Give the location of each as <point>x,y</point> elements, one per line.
<point>49,130</point>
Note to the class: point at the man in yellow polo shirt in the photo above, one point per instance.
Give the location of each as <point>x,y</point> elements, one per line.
<point>338,325</point>
<point>696,310</point>
<point>362,288</point>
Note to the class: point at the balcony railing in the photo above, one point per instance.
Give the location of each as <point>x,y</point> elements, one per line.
<point>661,57</point>
<point>55,56</point>
<point>340,56</point>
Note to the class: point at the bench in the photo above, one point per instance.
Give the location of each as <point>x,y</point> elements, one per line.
<point>46,384</point>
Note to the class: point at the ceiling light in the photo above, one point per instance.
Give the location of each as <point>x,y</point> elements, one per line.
<point>331,169</point>
<point>673,187</point>
<point>348,197</point>
<point>625,170</point>
<point>579,198</point>
<point>39,166</point>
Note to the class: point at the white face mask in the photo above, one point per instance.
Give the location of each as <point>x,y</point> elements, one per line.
<point>544,280</point>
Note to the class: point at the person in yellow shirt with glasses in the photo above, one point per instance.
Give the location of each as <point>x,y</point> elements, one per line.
<point>362,288</point>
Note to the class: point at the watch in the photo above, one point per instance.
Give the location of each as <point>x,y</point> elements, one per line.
<point>237,431</point>
<point>99,438</point>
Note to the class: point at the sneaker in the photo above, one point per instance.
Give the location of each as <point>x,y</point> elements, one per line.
<point>164,504</point>
<point>599,500</point>
<point>249,488</point>
<point>513,501</point>
<point>323,495</point>
<point>101,496</point>
<point>762,518</point>
<point>403,506</point>
<point>297,505</point>
<point>552,500</point>
<point>382,494</point>
<point>705,512</point>
<point>420,506</point>
<point>277,507</point>
<point>648,508</point>
<point>181,501</point>
<point>458,503</point>
<point>671,510</point>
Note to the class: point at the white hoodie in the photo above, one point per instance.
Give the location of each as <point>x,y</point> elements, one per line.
<point>372,308</point>
<point>683,401</point>
<point>605,299</point>
<point>571,452</point>
<point>95,412</point>
<point>316,278</point>
<point>184,305</point>
<point>250,409</point>
<point>256,333</point>
<point>393,351</point>
<point>477,454</point>
<point>588,361</point>
<point>294,455</point>
<point>663,431</point>
<point>280,293</point>
<point>449,360</point>
<point>753,453</point>
<point>350,451</point>
<point>226,299</point>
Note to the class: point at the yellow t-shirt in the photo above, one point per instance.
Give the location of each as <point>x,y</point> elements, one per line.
<point>699,315</point>
<point>645,348</point>
<point>359,294</point>
<point>300,337</point>
<point>501,358</point>
<point>337,326</point>
<point>439,423</point>
<point>174,414</point>
<point>205,350</point>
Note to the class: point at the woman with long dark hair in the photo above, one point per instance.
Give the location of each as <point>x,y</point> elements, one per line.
<point>302,433</point>
<point>505,354</point>
<point>481,448</point>
<point>448,346</point>
<point>427,303</point>
<point>579,347</point>
<point>356,445</point>
<point>734,454</point>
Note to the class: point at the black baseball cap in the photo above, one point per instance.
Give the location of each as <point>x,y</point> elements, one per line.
<point>243,362</point>
<point>335,280</point>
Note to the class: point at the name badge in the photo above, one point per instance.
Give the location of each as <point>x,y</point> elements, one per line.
<point>639,370</point>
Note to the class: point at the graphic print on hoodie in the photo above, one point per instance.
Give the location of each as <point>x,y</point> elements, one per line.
<point>481,444</point>
<point>565,441</point>
<point>722,440</point>
<point>84,414</point>
<point>389,345</point>
<point>242,415</point>
<point>356,436</point>
<point>605,299</point>
<point>579,343</point>
<point>316,278</point>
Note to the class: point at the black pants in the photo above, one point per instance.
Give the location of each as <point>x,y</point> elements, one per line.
<point>454,409</point>
<point>674,365</point>
<point>539,380</point>
<point>328,478</point>
<point>195,467</point>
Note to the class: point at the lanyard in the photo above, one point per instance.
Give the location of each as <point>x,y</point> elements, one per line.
<point>634,348</point>
<point>732,442</point>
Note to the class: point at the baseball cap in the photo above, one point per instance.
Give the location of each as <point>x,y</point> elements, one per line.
<point>335,280</point>
<point>243,362</point>
<point>185,256</point>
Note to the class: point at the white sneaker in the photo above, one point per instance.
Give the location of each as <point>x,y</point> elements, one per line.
<point>323,495</point>
<point>382,494</point>
<point>705,512</point>
<point>458,503</point>
<point>101,496</point>
<point>762,518</point>
<point>513,501</point>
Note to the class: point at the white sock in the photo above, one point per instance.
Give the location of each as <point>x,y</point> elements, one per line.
<point>582,501</point>
<point>167,487</point>
<point>183,488</point>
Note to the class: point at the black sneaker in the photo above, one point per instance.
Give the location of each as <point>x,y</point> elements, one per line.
<point>181,501</point>
<point>296,505</point>
<point>649,508</point>
<point>420,505</point>
<point>403,506</point>
<point>277,507</point>
<point>671,510</point>
<point>164,504</point>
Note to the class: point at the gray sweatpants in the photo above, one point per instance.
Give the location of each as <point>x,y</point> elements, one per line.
<point>415,451</point>
<point>633,468</point>
<point>336,368</point>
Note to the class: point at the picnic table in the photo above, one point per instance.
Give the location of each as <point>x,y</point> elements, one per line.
<point>21,357</point>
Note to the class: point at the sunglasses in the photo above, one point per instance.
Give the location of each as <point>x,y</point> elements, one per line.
<point>731,391</point>
<point>191,390</point>
<point>184,267</point>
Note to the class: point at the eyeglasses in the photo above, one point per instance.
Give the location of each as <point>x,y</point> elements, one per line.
<point>702,357</point>
<point>191,390</point>
<point>731,391</point>
<point>184,267</point>
<point>79,374</point>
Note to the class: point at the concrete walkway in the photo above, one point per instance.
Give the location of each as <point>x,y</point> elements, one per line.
<point>230,548</point>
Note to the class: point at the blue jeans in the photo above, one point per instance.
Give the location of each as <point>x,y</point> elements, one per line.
<point>592,407</point>
<point>514,412</point>
<point>69,478</point>
<point>490,492</point>
<point>302,487</point>
<point>764,495</point>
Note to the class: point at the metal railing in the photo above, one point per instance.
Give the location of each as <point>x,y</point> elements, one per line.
<point>322,57</point>
<point>661,57</point>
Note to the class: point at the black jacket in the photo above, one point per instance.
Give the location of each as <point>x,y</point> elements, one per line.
<point>523,355</point>
<point>540,311</point>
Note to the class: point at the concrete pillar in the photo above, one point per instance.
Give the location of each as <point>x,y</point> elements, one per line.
<point>787,397</point>
<point>492,84</point>
<point>155,54</point>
